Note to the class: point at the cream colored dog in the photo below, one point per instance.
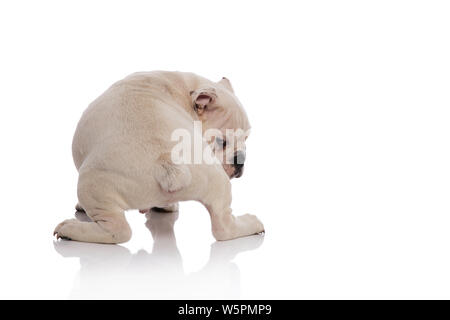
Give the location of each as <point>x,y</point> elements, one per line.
<point>123,146</point>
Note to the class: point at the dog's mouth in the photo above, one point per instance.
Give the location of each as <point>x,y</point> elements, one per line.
<point>238,172</point>
<point>234,172</point>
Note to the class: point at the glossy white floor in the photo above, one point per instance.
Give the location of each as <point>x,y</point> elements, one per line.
<point>348,161</point>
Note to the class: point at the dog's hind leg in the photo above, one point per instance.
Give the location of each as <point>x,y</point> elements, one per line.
<point>104,207</point>
<point>107,226</point>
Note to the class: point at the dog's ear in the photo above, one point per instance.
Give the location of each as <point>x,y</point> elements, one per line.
<point>226,83</point>
<point>202,98</point>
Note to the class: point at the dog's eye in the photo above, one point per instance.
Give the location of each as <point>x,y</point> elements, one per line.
<point>221,142</point>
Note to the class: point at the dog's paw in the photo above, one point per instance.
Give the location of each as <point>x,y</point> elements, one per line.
<point>241,226</point>
<point>253,224</point>
<point>64,229</point>
<point>161,222</point>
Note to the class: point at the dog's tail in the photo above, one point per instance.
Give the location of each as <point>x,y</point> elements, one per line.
<point>172,177</point>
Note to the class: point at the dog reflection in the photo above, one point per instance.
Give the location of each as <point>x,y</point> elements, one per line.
<point>112,271</point>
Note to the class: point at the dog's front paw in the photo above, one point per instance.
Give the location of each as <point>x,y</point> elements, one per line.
<point>253,223</point>
<point>241,226</point>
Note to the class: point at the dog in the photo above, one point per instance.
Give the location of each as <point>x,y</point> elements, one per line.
<point>123,149</point>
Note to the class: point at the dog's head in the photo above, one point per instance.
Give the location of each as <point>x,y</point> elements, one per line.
<point>225,124</point>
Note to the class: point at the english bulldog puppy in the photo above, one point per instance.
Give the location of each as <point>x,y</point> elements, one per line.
<point>129,154</point>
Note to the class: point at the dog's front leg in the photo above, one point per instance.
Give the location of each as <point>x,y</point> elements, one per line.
<point>225,225</point>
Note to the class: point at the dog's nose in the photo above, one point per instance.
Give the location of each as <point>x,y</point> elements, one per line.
<point>239,159</point>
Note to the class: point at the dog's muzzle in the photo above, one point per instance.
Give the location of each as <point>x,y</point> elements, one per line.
<point>238,163</point>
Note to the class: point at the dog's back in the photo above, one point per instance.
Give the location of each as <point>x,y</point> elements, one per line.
<point>133,115</point>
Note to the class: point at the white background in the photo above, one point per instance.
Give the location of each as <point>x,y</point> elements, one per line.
<point>348,161</point>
